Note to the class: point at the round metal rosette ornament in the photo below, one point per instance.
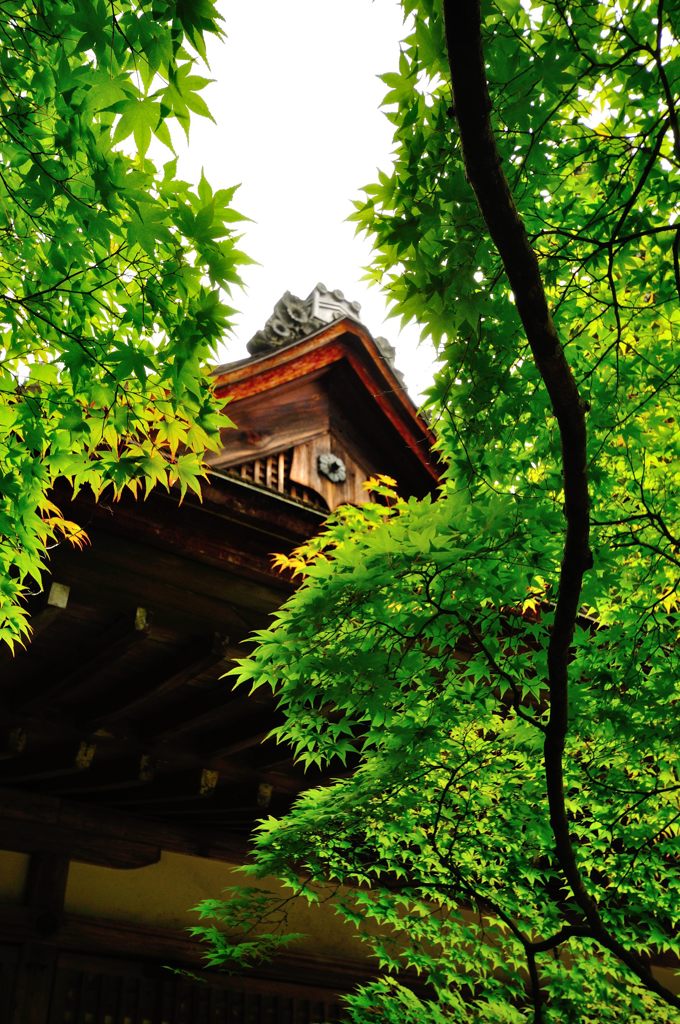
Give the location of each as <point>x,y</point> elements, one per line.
<point>332,467</point>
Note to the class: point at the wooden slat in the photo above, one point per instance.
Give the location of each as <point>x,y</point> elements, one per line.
<point>34,983</point>
<point>9,967</point>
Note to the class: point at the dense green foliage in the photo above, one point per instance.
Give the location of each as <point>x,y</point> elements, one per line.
<point>415,650</point>
<point>111,270</point>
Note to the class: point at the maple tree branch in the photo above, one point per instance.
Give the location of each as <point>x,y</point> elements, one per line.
<point>485,173</point>
<point>668,92</point>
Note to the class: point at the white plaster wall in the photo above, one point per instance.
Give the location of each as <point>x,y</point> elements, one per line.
<point>162,894</point>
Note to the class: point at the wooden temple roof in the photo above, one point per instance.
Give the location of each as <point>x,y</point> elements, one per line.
<point>117,736</point>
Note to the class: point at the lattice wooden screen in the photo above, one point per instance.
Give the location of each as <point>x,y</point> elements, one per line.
<point>86,994</point>
<point>273,472</point>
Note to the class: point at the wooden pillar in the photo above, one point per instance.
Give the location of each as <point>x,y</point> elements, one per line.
<point>44,898</point>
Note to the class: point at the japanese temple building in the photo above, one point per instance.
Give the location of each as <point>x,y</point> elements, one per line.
<point>130,773</point>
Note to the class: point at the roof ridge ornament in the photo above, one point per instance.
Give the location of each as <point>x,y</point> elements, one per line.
<point>332,305</point>
<point>294,318</point>
<point>388,352</point>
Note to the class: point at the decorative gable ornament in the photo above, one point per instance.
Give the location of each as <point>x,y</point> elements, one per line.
<point>295,318</point>
<point>332,467</point>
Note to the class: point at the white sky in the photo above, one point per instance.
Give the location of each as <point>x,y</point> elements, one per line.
<point>296,101</point>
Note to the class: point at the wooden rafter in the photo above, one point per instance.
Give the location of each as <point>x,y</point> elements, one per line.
<point>225,714</point>
<point>81,669</point>
<point>113,775</point>
<point>176,787</point>
<point>133,701</point>
<point>67,758</point>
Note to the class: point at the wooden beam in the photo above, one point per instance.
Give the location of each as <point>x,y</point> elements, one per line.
<point>48,763</point>
<point>278,759</point>
<point>111,776</point>
<point>83,667</point>
<point>203,576</point>
<point>13,741</point>
<point>227,799</point>
<point>48,812</point>
<point>57,601</point>
<point>75,844</point>
<point>45,890</point>
<point>193,784</point>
